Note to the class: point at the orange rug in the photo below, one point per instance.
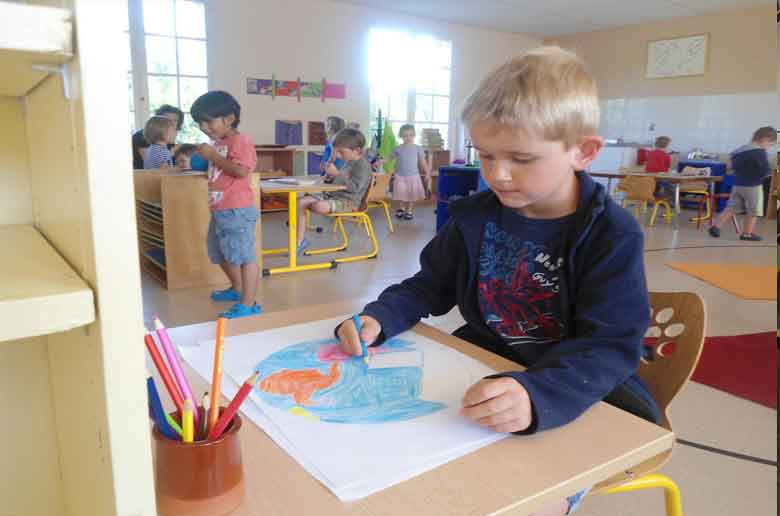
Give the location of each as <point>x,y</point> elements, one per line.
<point>743,280</point>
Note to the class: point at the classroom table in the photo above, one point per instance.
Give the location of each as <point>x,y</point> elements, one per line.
<point>675,179</point>
<point>517,475</point>
<point>292,191</point>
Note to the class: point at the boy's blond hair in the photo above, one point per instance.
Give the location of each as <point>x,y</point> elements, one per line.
<point>546,92</point>
<point>156,128</point>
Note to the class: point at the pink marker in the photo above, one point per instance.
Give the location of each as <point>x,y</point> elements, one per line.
<point>175,365</point>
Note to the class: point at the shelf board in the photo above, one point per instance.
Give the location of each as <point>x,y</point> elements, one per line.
<point>39,292</point>
<point>31,35</point>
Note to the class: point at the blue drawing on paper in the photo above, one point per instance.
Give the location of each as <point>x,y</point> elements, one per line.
<point>316,380</point>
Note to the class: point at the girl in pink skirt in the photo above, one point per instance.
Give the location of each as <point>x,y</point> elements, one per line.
<point>407,184</point>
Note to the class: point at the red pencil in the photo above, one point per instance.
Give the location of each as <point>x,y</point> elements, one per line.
<point>173,390</point>
<point>227,416</point>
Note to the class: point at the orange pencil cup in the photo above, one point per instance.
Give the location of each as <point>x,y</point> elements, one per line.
<point>204,478</point>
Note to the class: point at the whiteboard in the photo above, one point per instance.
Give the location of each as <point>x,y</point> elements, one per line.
<point>677,57</point>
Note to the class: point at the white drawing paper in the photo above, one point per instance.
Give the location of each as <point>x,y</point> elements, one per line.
<point>356,427</point>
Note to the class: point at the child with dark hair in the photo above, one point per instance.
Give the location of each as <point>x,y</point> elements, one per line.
<point>182,158</point>
<point>231,237</point>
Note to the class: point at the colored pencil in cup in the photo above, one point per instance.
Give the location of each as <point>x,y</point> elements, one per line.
<point>227,415</point>
<point>187,422</point>
<point>173,361</point>
<point>158,414</point>
<point>203,428</point>
<point>170,384</point>
<point>172,422</point>
<point>216,378</point>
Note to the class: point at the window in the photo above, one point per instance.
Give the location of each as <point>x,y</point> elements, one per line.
<point>168,64</point>
<point>409,77</point>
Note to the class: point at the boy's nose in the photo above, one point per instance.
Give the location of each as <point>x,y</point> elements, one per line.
<point>500,172</point>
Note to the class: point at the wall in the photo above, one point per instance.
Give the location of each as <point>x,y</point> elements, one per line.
<point>742,55</point>
<point>717,111</point>
<point>315,39</point>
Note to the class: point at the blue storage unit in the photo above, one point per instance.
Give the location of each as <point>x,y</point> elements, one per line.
<point>482,184</point>
<point>718,168</point>
<point>455,182</point>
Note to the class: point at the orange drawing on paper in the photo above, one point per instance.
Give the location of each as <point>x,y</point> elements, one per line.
<point>300,384</point>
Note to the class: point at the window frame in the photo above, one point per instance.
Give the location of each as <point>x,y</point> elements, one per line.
<point>411,101</point>
<point>138,59</point>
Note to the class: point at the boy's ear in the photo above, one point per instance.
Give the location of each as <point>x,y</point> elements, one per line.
<point>230,119</point>
<point>586,151</point>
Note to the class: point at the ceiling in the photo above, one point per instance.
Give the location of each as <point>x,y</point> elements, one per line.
<point>547,18</point>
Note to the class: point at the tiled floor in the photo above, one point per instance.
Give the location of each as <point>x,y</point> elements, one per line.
<point>711,484</point>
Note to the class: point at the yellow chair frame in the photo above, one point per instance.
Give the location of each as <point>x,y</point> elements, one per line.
<point>665,377</point>
<point>639,192</point>
<point>360,217</point>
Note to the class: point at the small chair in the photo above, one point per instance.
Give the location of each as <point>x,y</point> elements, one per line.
<point>708,200</point>
<point>360,216</point>
<point>640,191</point>
<point>674,344</point>
<point>698,188</point>
<point>378,197</point>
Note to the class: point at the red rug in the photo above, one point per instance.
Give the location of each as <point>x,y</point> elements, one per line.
<point>742,365</point>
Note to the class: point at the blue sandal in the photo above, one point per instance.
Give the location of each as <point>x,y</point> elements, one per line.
<point>303,246</point>
<point>240,310</point>
<point>229,294</point>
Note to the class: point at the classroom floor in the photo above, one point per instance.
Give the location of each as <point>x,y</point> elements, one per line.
<point>711,484</point>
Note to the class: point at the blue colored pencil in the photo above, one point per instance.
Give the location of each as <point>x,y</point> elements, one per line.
<point>359,326</point>
<point>158,414</point>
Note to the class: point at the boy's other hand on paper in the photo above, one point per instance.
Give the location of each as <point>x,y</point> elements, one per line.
<point>348,335</point>
<point>501,404</point>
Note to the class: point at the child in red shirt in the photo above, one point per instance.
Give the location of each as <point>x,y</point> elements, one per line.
<point>658,160</point>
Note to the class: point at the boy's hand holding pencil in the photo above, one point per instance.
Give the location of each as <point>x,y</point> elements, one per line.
<point>350,339</point>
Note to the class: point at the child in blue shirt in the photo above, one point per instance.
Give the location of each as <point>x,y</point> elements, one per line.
<point>545,268</point>
<point>159,131</point>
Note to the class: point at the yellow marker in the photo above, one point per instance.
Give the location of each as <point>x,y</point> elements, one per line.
<point>187,423</point>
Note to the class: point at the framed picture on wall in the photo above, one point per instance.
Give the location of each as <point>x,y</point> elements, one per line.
<point>678,57</point>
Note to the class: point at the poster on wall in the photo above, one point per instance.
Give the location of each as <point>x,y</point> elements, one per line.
<point>678,57</point>
<point>274,87</point>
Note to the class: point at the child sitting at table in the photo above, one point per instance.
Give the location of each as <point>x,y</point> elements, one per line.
<point>160,131</point>
<point>546,269</point>
<point>355,175</point>
<point>658,159</point>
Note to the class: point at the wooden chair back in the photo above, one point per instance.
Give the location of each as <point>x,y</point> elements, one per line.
<point>678,323</point>
<point>380,187</point>
<point>638,188</point>
<point>674,344</point>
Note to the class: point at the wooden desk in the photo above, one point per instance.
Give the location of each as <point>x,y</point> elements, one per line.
<point>518,474</point>
<point>292,191</point>
<point>675,179</point>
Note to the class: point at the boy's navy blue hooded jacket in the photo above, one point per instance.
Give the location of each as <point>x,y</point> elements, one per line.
<point>604,304</point>
<point>751,165</point>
